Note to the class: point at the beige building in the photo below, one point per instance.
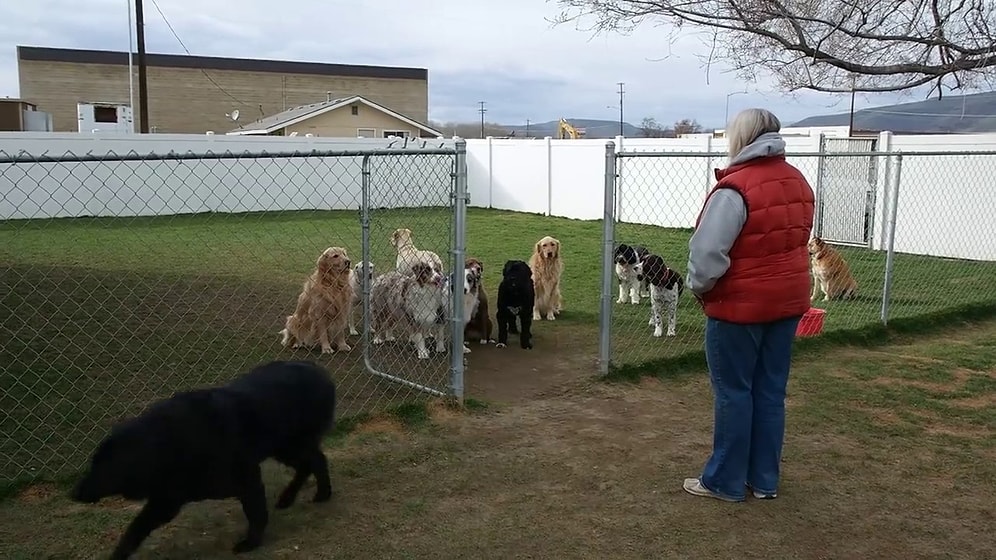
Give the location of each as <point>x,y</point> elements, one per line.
<point>349,117</point>
<point>194,94</point>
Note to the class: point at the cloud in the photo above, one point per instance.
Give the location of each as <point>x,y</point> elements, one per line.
<point>505,53</point>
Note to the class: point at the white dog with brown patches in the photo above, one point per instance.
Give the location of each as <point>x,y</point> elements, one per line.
<point>408,255</point>
<point>324,306</point>
<point>412,304</point>
<point>547,266</point>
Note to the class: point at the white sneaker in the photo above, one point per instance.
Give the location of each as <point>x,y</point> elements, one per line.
<point>694,487</point>
<point>762,495</point>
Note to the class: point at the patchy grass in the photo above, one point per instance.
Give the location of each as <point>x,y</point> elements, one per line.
<point>101,316</point>
<point>890,454</point>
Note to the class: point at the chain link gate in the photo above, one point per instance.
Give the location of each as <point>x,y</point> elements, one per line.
<point>419,197</point>
<point>846,187</point>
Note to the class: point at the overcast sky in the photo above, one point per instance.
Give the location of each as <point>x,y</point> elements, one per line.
<point>502,52</point>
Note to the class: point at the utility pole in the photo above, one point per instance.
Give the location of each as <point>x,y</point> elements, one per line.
<point>527,128</point>
<point>143,85</point>
<point>621,92</point>
<point>850,123</point>
<point>482,110</point>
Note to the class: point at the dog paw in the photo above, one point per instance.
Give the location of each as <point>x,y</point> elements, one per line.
<point>327,350</point>
<point>634,302</point>
<point>550,317</point>
<point>245,545</point>
<point>423,355</point>
<point>658,333</point>
<point>536,316</point>
<point>284,502</point>
<point>378,341</point>
<point>466,350</point>
<point>354,332</point>
<point>620,301</point>
<point>500,345</point>
<point>671,333</point>
<point>296,346</point>
<point>483,341</point>
<point>526,345</point>
<point>344,348</point>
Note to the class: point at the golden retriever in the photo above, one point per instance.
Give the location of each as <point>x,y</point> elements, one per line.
<point>831,275</point>
<point>408,255</point>
<point>324,306</point>
<point>547,266</point>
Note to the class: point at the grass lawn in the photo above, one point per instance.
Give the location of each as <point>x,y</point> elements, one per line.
<point>890,454</point>
<point>100,316</point>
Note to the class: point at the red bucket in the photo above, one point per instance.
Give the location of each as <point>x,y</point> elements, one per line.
<point>811,323</point>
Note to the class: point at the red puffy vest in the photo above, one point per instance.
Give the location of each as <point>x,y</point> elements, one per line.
<point>768,278</point>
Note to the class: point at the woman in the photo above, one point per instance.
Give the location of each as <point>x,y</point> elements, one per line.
<point>748,266</point>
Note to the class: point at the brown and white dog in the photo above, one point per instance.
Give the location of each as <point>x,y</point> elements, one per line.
<point>356,282</point>
<point>547,266</point>
<point>480,326</point>
<point>413,304</point>
<point>324,305</point>
<point>666,286</point>
<point>831,275</point>
<point>408,255</point>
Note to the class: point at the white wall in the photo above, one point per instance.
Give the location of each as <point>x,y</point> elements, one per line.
<point>144,188</point>
<point>943,206</point>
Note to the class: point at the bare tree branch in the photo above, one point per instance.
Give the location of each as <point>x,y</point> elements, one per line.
<point>823,45</point>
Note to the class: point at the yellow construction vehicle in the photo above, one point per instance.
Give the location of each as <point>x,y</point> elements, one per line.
<point>566,130</point>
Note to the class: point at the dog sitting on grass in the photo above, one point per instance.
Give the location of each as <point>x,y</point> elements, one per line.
<point>207,444</point>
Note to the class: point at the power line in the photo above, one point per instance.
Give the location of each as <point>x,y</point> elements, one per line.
<point>186,50</point>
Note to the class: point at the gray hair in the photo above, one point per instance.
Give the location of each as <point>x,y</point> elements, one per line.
<point>747,126</point>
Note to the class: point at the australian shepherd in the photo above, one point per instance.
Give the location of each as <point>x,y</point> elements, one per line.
<point>412,303</point>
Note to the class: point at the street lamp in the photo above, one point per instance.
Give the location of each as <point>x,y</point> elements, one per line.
<point>726,120</point>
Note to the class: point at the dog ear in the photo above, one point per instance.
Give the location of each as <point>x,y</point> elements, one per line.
<point>556,247</point>
<point>538,248</point>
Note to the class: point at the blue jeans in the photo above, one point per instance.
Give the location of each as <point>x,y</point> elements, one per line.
<point>749,368</point>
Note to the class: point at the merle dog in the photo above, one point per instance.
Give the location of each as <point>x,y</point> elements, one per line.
<point>516,297</point>
<point>207,444</point>
<point>629,272</point>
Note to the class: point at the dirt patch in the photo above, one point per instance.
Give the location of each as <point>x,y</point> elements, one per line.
<point>959,377</point>
<point>38,493</point>
<point>976,403</point>
<point>381,425</point>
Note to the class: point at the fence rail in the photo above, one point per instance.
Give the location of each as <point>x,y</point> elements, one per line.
<point>869,206</point>
<point>165,272</point>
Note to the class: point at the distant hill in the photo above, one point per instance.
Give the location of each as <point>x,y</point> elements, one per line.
<point>958,114</point>
<point>594,128</point>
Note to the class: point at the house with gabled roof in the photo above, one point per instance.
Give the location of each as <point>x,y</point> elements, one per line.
<point>346,117</point>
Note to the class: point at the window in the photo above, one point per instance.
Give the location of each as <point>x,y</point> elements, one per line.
<point>355,109</point>
<point>105,114</point>
<point>398,133</point>
<point>366,133</point>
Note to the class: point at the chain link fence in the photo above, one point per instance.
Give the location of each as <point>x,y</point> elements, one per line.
<point>911,247</point>
<point>126,278</point>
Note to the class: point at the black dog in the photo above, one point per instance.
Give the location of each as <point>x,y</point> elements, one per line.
<point>516,297</point>
<point>207,444</point>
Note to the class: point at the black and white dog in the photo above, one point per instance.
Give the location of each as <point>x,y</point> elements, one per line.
<point>629,272</point>
<point>666,285</point>
<point>516,298</point>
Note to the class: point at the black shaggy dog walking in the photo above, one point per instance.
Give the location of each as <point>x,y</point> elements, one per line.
<point>516,298</point>
<point>208,444</point>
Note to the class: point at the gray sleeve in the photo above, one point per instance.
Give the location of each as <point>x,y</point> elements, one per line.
<point>708,249</point>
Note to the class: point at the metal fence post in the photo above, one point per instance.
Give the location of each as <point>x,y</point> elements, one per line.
<point>460,197</point>
<point>820,163</point>
<point>891,239</point>
<point>608,246</point>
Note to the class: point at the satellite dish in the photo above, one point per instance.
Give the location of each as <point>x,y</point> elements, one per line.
<point>234,115</point>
